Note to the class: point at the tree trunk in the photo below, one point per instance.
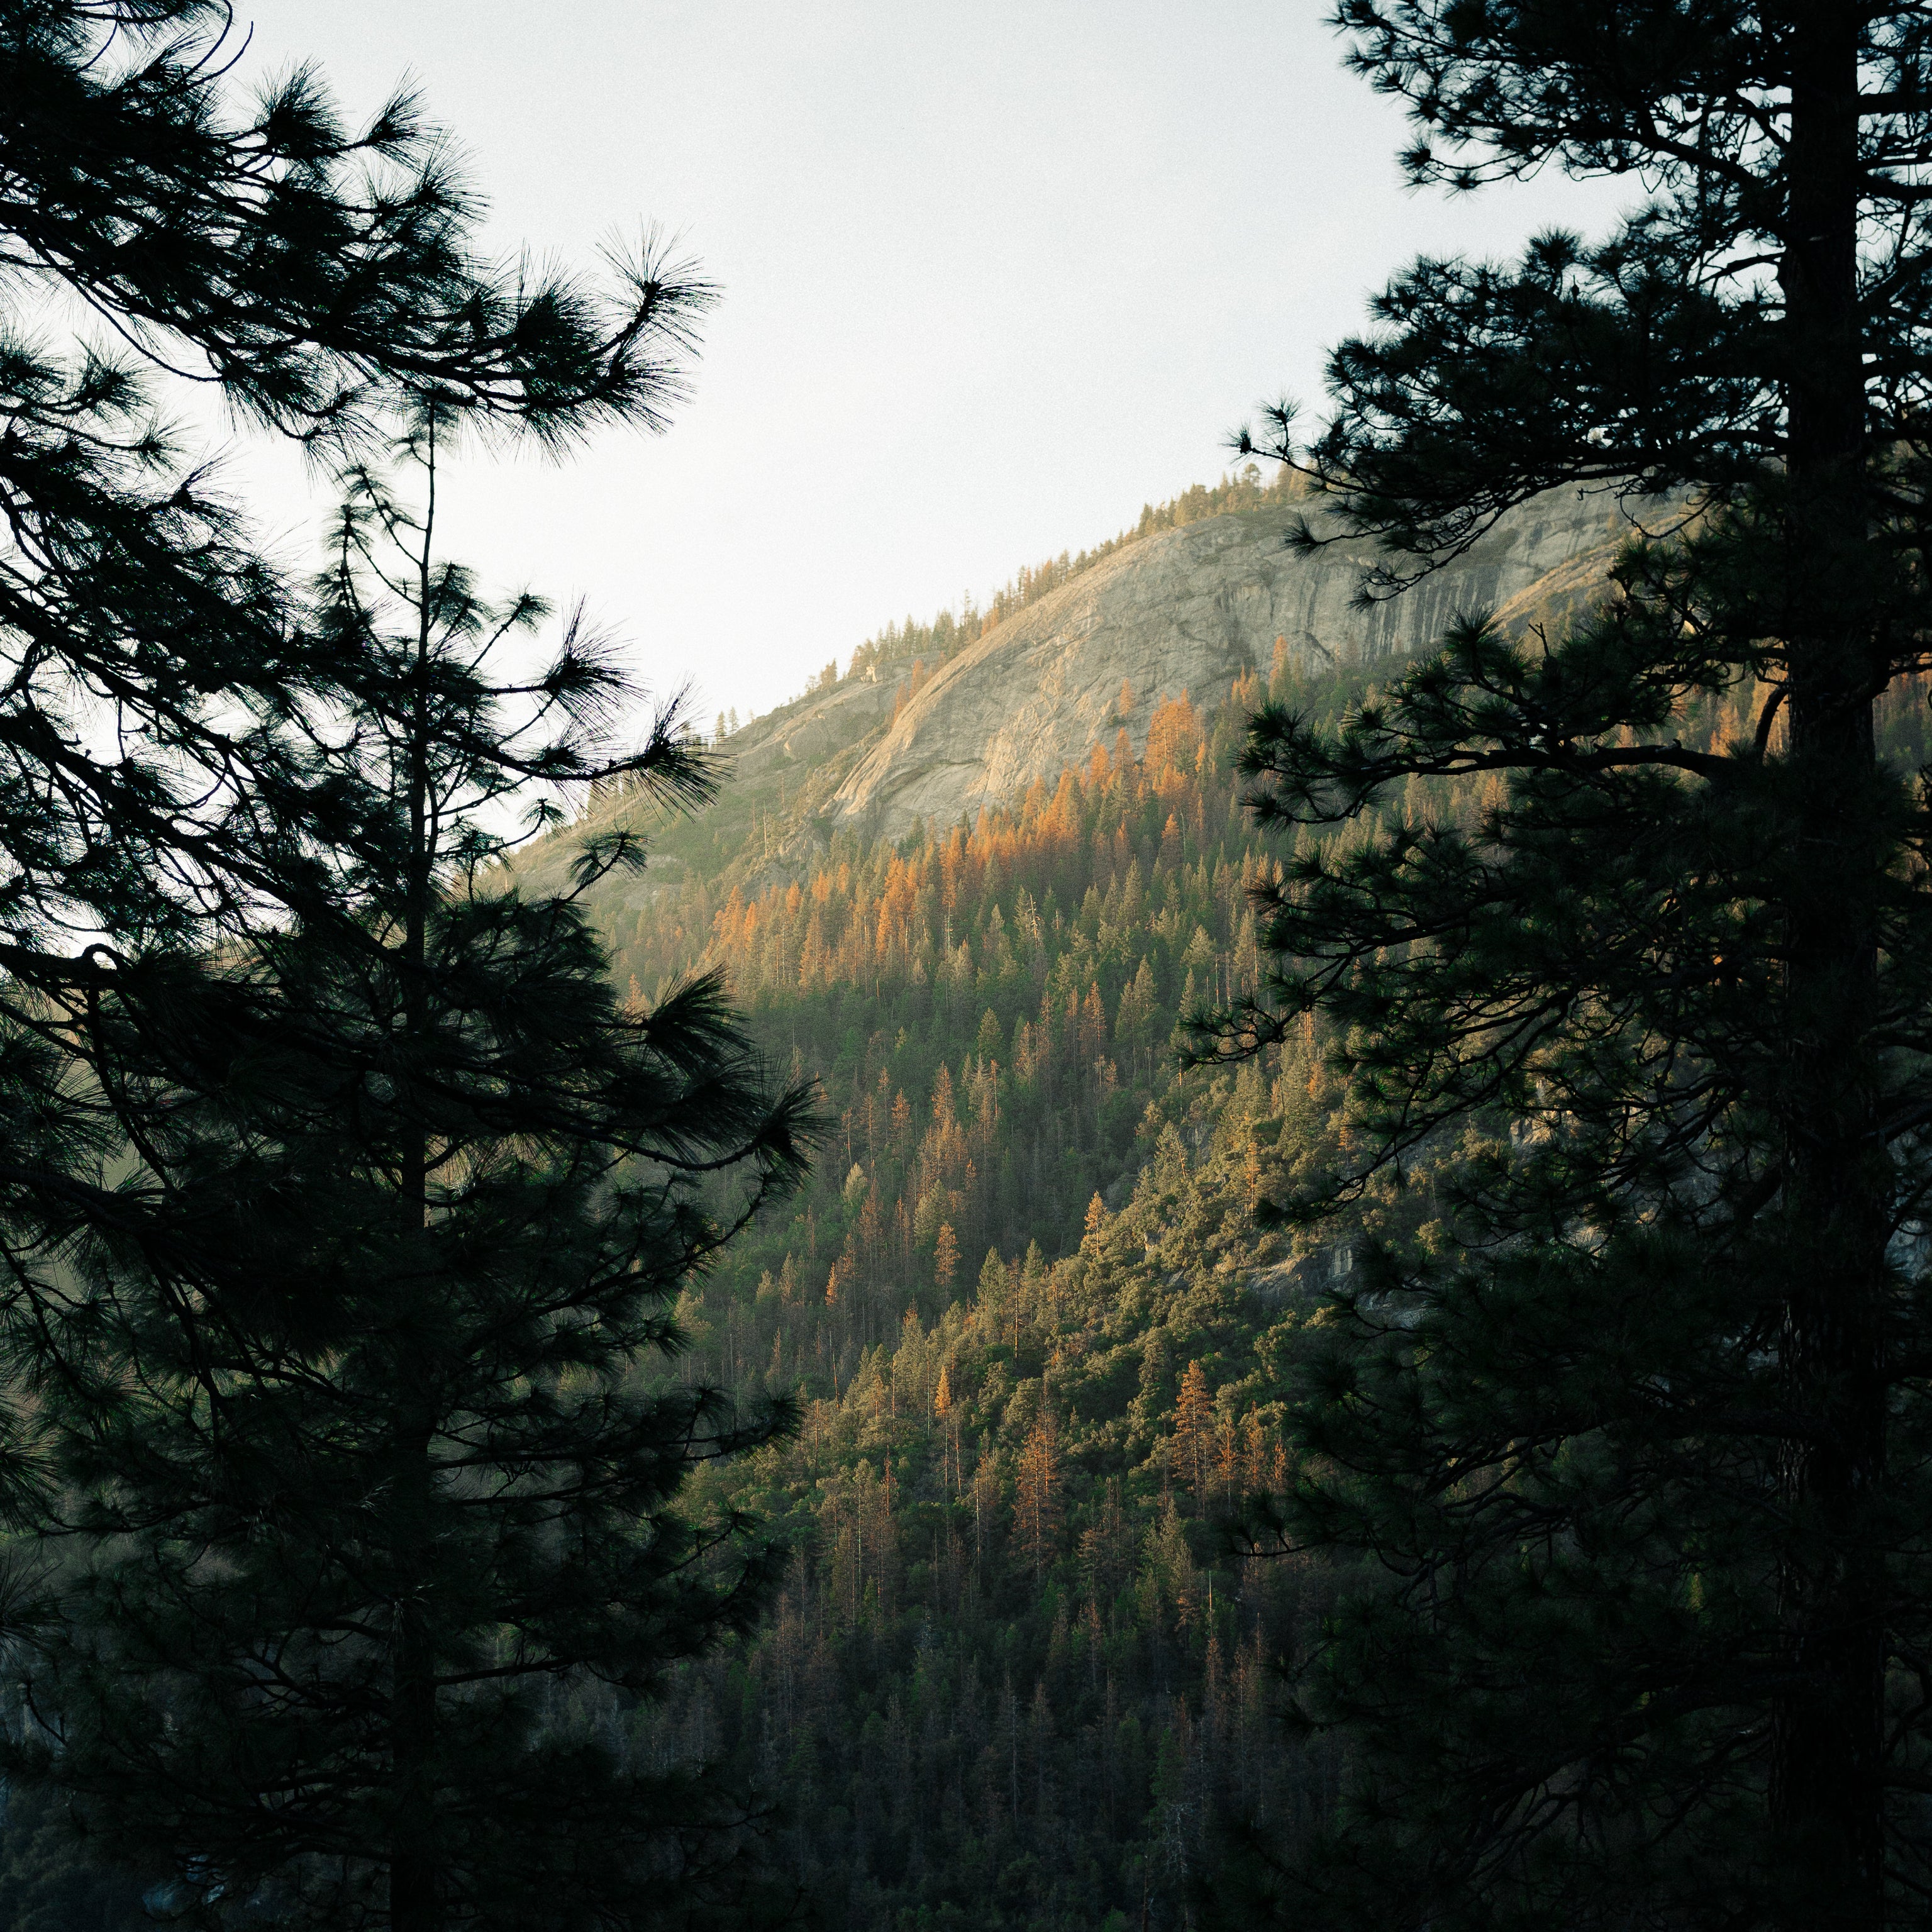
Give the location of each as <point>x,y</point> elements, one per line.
<point>415,1890</point>
<point>1827,1723</point>
<point>415,1886</point>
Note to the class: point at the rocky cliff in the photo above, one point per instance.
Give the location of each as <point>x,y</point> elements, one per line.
<point>1188,611</point>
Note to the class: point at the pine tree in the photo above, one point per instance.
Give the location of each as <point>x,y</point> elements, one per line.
<point>997,1300</point>
<point>1037,1492</point>
<point>154,800</point>
<point>1194,1430</point>
<point>1637,1018</point>
<point>388,1493</point>
<point>1106,1549</point>
<point>1095,1225</point>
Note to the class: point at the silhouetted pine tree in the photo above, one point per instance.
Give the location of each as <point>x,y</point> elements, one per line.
<point>1631,1403</point>
<point>372,1489</point>
<point>154,798</point>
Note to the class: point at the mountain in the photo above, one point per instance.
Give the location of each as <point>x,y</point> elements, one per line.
<point>1187,610</point>
<point>1015,1679</point>
<point>933,723</point>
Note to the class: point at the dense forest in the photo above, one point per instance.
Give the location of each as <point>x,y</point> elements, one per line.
<point>1016,1674</point>
<point>1017,1677</point>
<point>1317,1319</point>
<point>1026,1315</point>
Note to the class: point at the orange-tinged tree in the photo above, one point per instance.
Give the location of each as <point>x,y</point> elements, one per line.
<point>1194,1431</point>
<point>1036,1492</point>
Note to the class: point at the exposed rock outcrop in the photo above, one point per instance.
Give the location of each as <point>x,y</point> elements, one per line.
<point>825,722</point>
<point>1188,611</point>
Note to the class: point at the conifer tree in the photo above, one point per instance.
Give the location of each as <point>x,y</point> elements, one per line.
<point>154,801</point>
<point>374,1500</point>
<point>1036,1492</point>
<point>1095,1224</point>
<point>1194,1429</point>
<point>1641,1049</point>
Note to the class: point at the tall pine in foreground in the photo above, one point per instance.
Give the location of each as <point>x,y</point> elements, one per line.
<point>155,801</point>
<point>168,795</point>
<point>1627,1416</point>
<point>371,1507</point>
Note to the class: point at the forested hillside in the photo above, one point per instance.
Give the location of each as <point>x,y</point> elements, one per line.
<point>1015,1679</point>
<point>1242,1238</point>
<point>1025,1312</point>
<point>1014,1676</point>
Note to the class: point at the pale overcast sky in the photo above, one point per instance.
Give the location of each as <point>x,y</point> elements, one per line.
<point>994,275</point>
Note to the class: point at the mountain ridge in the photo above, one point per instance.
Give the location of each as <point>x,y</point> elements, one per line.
<point>1187,610</point>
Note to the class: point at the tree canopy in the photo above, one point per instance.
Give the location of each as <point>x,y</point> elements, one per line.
<point>1630,1409</point>
<point>341,1198</point>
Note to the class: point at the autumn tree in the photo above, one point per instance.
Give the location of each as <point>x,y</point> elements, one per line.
<point>1096,1222</point>
<point>1037,1491</point>
<point>1194,1433</point>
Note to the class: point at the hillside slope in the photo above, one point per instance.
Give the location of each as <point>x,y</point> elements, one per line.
<point>1188,611</point>
<point>1034,1334</point>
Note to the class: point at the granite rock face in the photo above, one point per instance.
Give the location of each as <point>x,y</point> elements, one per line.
<point>1188,610</point>
<point>826,722</point>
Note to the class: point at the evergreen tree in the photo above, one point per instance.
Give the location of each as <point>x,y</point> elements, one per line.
<point>154,799</point>
<point>1036,1492</point>
<point>374,1501</point>
<point>157,800</point>
<point>49,1881</point>
<point>1193,1429</point>
<point>1631,1401</point>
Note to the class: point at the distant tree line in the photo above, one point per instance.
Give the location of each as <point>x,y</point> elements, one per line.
<point>950,632</point>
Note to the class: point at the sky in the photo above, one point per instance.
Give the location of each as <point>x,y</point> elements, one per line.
<point>993,276</point>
